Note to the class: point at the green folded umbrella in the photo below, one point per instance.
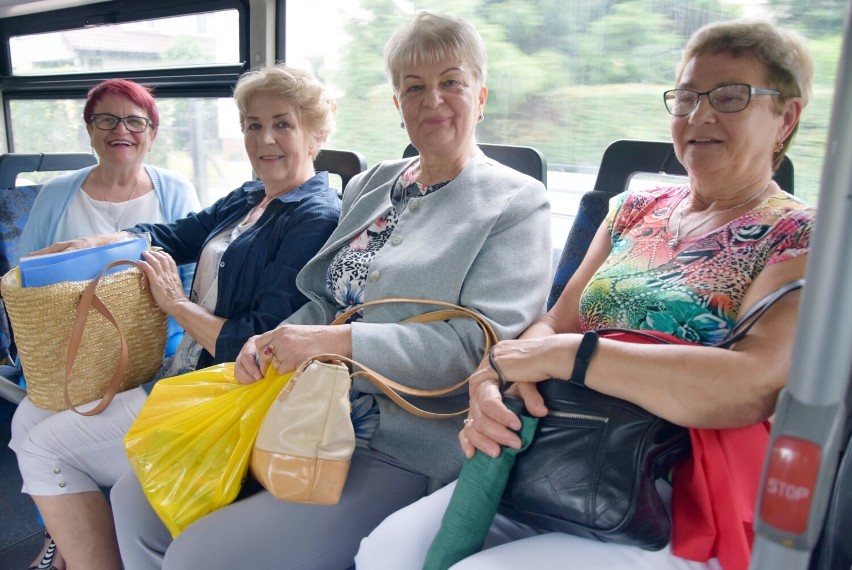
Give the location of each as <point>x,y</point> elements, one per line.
<point>475,500</point>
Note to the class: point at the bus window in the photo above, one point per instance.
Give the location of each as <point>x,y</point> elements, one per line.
<point>182,41</point>
<point>565,77</point>
<point>198,137</point>
<point>190,60</point>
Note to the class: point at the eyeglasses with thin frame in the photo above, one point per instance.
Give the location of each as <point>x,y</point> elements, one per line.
<point>109,122</point>
<point>725,99</point>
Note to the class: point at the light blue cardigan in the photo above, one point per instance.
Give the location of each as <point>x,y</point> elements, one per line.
<point>176,194</point>
<point>481,241</point>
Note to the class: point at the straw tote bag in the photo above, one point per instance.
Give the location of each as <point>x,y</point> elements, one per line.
<point>306,440</point>
<point>71,354</point>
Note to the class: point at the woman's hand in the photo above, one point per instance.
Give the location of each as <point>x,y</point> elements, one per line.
<point>287,346</point>
<point>524,362</point>
<point>84,243</point>
<point>164,280</point>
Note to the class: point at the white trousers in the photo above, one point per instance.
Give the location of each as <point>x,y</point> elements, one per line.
<point>64,452</point>
<point>403,539</point>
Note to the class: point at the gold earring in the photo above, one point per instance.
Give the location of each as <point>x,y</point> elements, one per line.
<point>779,147</point>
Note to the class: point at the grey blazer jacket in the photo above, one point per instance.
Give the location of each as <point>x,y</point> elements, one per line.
<point>481,241</point>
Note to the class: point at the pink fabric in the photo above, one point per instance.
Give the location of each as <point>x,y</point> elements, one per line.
<point>714,495</point>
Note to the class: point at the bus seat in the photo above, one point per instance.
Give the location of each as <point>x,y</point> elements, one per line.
<point>15,204</point>
<point>524,159</point>
<point>621,161</point>
<point>343,163</point>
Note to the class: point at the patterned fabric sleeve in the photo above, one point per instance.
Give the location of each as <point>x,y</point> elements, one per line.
<point>794,236</point>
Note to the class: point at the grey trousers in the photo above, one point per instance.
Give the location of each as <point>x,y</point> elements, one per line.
<point>262,532</point>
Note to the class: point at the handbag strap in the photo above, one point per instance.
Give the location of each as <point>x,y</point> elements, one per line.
<point>90,300</point>
<point>744,323</point>
<point>393,389</point>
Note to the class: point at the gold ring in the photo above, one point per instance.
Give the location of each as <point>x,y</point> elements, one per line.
<point>268,349</point>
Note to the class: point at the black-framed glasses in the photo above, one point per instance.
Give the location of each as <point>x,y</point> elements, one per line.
<point>725,99</point>
<point>109,122</point>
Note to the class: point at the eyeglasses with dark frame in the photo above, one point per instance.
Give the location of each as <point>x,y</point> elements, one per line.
<point>109,122</point>
<point>725,99</point>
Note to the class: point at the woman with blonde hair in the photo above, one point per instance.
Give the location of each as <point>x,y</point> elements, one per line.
<point>249,247</point>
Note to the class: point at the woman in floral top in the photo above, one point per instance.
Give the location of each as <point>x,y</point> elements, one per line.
<point>685,260</point>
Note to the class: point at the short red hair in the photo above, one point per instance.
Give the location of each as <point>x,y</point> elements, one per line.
<point>133,92</point>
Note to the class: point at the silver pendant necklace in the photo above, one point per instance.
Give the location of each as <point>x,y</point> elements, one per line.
<point>116,219</point>
<point>675,241</point>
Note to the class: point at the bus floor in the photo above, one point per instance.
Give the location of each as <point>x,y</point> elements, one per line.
<point>21,535</point>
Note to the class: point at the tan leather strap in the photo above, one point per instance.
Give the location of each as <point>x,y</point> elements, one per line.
<point>393,389</point>
<point>89,300</point>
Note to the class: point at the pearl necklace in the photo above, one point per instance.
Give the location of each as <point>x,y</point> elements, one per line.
<point>675,241</point>
<point>116,220</point>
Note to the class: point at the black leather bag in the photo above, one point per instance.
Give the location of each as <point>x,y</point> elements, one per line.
<point>591,467</point>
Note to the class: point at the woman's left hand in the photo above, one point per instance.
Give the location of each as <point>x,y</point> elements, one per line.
<point>524,362</point>
<point>164,280</point>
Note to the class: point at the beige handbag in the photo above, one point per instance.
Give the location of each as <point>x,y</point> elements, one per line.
<point>305,443</point>
<point>71,354</point>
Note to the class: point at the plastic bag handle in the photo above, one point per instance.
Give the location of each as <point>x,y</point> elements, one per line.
<point>89,300</point>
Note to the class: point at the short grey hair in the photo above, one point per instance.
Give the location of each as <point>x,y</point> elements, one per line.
<point>300,88</point>
<point>429,38</point>
<point>783,52</point>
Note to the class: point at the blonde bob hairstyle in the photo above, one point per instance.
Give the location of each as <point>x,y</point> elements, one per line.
<point>315,108</point>
<point>429,39</point>
<point>784,53</point>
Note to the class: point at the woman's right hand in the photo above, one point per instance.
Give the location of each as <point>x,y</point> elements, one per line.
<point>84,243</point>
<point>524,362</point>
<point>287,346</point>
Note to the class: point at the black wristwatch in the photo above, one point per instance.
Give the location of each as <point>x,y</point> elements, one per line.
<point>584,356</point>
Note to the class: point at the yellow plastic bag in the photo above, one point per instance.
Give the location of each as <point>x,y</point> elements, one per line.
<point>191,442</point>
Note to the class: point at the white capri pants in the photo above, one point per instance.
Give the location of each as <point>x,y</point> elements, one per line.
<point>403,539</point>
<point>64,452</point>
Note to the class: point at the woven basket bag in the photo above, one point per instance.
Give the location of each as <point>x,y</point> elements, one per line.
<point>83,340</point>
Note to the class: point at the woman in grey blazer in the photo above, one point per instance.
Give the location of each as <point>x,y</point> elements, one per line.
<point>449,225</point>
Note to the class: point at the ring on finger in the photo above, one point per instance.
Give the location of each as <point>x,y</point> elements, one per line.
<point>468,421</point>
<point>268,349</point>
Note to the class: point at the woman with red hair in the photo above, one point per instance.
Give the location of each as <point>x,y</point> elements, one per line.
<point>119,192</point>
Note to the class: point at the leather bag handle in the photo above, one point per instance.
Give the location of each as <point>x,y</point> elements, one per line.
<point>745,322</point>
<point>90,300</point>
<point>393,389</point>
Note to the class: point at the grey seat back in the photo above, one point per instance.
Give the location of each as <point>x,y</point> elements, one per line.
<point>524,159</point>
<point>343,163</point>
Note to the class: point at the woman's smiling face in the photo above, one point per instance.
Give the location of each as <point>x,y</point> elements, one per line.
<point>280,149</point>
<point>120,146</point>
<point>732,146</point>
<point>440,105</point>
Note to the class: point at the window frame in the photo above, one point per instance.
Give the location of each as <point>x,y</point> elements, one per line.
<point>191,81</point>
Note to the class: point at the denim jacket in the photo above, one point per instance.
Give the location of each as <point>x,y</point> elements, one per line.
<point>257,274</point>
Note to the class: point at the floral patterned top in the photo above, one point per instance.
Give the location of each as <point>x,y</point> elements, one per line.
<point>347,273</point>
<point>695,289</point>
